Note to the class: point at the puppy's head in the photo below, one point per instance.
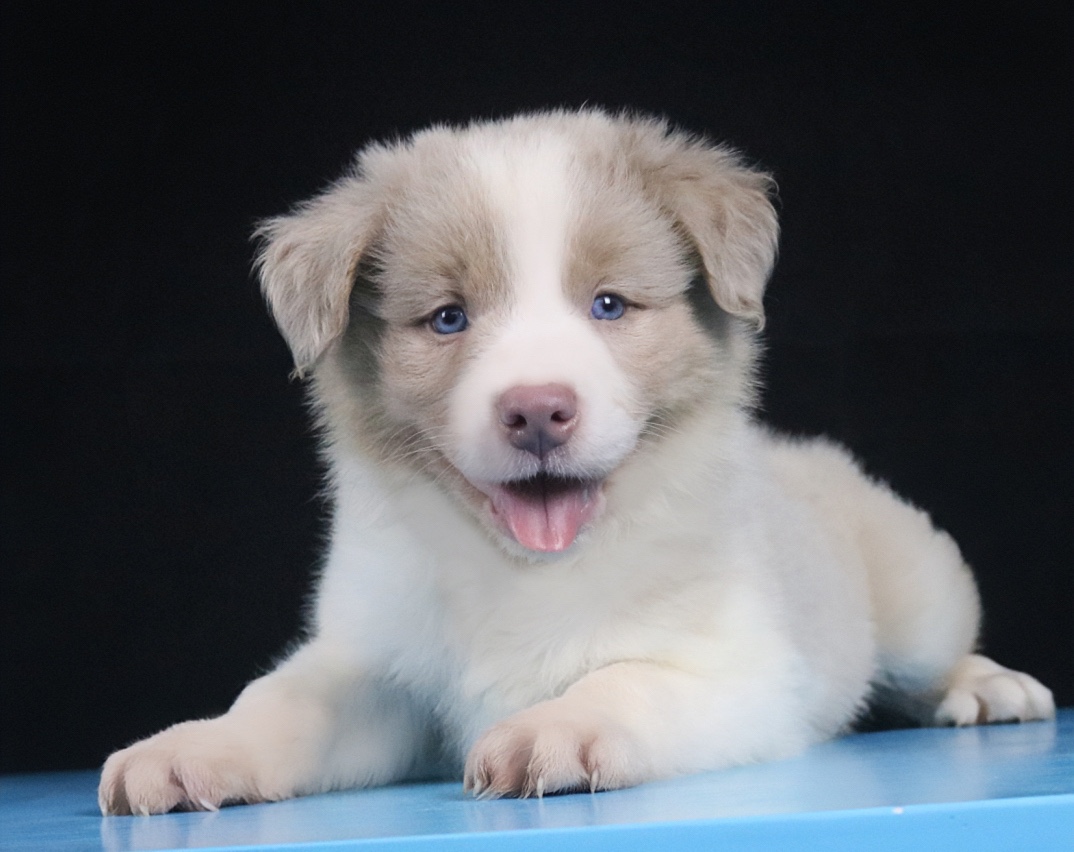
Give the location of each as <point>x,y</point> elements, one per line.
<point>517,308</point>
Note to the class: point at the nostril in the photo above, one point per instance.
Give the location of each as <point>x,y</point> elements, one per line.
<point>513,420</point>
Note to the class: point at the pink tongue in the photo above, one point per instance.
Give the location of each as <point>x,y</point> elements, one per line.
<point>549,522</point>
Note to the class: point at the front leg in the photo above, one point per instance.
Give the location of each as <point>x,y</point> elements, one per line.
<point>315,723</point>
<point>633,722</point>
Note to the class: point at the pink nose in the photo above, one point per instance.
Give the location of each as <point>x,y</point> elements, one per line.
<point>538,418</point>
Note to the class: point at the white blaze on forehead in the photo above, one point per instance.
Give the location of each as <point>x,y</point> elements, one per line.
<point>529,192</point>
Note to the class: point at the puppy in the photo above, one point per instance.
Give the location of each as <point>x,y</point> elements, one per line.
<point>564,556</point>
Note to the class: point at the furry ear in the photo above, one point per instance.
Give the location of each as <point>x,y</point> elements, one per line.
<point>307,262</point>
<point>724,210</point>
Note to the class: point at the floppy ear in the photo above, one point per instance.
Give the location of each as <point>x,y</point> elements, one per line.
<point>307,262</point>
<point>723,208</point>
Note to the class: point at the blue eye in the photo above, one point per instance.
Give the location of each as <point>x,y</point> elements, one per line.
<point>607,306</point>
<point>450,319</point>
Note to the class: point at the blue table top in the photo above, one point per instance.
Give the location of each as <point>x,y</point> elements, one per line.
<point>998,787</point>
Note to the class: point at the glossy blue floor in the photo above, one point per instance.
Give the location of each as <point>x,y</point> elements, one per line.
<point>1000,787</point>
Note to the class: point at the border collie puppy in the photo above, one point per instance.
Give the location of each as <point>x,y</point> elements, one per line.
<point>564,555</point>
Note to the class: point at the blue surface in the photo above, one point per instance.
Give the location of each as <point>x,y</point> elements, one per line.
<point>999,787</point>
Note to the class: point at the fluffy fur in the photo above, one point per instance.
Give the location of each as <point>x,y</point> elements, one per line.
<point>563,555</point>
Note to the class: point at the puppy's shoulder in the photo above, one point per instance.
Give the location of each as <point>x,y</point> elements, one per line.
<point>807,457</point>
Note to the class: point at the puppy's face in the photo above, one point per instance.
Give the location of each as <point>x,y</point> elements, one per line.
<point>525,317</point>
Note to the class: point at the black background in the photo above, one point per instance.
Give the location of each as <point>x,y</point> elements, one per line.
<point>160,518</point>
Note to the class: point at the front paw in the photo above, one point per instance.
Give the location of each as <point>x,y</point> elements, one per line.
<point>191,766</point>
<point>553,748</point>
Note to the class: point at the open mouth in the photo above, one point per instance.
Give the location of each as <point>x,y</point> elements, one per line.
<point>545,512</point>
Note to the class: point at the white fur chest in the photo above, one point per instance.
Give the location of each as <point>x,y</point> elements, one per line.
<point>414,587</point>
